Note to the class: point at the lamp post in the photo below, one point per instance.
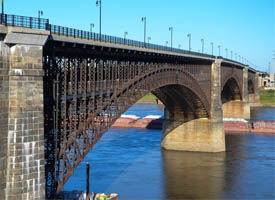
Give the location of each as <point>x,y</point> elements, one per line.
<point>231,55</point>
<point>91,27</point>
<point>219,46</point>
<point>179,46</point>
<point>40,13</point>
<point>212,45</point>
<point>2,13</point>
<point>125,33</point>
<point>149,38</point>
<point>236,57</point>
<point>239,58</point>
<point>202,45</point>
<point>189,36</point>
<point>98,2</point>
<point>226,52</point>
<point>143,19</point>
<point>166,43</point>
<point>171,29</point>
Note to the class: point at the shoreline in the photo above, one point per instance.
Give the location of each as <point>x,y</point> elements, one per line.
<point>231,126</point>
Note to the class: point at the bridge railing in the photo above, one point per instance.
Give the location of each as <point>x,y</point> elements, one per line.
<point>23,21</point>
<point>43,24</point>
<point>76,33</point>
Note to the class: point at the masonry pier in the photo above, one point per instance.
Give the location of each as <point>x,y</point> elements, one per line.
<point>202,134</point>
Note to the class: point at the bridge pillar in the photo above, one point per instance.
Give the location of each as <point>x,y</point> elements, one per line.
<point>22,174</point>
<point>185,133</point>
<point>255,97</point>
<point>241,108</point>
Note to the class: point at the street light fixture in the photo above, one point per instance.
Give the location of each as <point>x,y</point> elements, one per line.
<point>91,27</point>
<point>125,33</point>
<point>219,47</point>
<point>202,45</point>
<point>226,52</point>
<point>2,14</point>
<point>212,44</point>
<point>143,19</point>
<point>189,35</point>
<point>98,3</point>
<point>149,38</point>
<point>40,13</point>
<point>171,29</point>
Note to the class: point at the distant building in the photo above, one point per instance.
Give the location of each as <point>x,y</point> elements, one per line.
<point>263,80</point>
<point>272,80</point>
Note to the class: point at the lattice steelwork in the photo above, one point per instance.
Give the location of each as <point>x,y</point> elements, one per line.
<point>84,96</point>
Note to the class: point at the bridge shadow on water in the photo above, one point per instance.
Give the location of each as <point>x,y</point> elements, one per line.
<point>117,157</point>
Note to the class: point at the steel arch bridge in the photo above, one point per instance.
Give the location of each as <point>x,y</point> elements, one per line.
<point>63,88</point>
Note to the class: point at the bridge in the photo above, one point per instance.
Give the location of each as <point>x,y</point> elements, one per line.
<point>62,88</point>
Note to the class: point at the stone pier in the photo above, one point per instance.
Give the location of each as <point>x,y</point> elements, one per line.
<point>203,134</point>
<point>236,109</point>
<point>22,173</point>
<point>254,98</point>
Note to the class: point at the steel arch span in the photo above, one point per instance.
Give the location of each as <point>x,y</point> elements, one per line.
<point>89,95</point>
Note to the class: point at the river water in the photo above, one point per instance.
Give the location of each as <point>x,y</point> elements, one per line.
<point>130,162</point>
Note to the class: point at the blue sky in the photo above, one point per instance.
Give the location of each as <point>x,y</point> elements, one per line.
<point>244,26</point>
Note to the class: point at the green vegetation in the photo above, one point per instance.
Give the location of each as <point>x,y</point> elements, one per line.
<point>267,97</point>
<point>149,98</point>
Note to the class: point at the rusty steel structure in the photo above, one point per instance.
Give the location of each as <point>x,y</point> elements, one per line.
<point>85,92</point>
<point>90,80</point>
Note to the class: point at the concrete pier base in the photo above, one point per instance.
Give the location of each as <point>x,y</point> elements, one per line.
<point>201,135</point>
<point>236,109</point>
<point>192,132</point>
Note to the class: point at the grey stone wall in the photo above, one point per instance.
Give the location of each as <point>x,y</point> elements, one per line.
<point>216,104</point>
<point>4,102</point>
<point>22,124</point>
<point>245,84</point>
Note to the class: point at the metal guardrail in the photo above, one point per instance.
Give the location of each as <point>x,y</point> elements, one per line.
<point>60,30</point>
<point>43,24</point>
<point>22,21</point>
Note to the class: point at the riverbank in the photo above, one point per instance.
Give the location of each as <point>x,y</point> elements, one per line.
<point>231,125</point>
<point>267,98</point>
